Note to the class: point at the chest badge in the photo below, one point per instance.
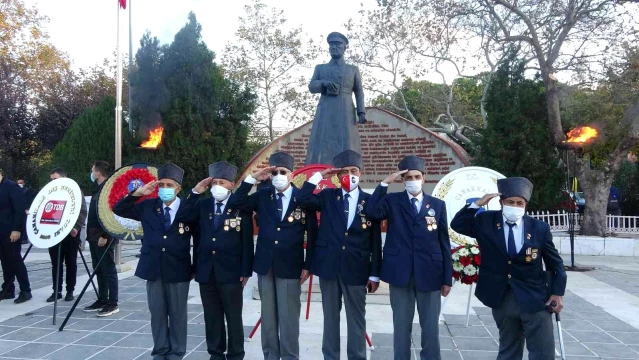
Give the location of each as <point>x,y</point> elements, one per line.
<point>431,212</point>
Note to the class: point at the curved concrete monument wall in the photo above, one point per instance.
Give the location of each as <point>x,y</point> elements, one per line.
<point>386,139</point>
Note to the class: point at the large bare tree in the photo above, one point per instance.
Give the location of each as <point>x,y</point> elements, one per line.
<point>575,39</point>
<point>275,60</point>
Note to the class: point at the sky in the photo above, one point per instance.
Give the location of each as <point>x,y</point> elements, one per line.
<point>86,29</point>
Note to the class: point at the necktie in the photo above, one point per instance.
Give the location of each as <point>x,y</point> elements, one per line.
<point>512,250</point>
<point>217,220</point>
<point>346,208</point>
<point>167,217</point>
<point>415,209</point>
<point>280,206</point>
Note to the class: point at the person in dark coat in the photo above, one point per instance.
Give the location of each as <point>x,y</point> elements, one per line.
<point>12,220</point>
<point>279,261</point>
<point>335,122</point>
<point>417,260</point>
<point>347,254</point>
<point>223,260</point>
<point>512,281</point>
<point>99,240</point>
<point>29,196</point>
<point>165,261</point>
<point>69,247</point>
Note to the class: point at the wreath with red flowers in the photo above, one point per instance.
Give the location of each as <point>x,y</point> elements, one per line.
<point>121,185</point>
<point>466,262</point>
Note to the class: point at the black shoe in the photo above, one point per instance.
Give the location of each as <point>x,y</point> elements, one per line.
<point>52,297</point>
<point>6,295</point>
<point>23,296</point>
<point>69,296</point>
<point>109,310</point>
<point>96,306</point>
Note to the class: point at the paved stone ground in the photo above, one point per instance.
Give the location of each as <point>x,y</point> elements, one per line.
<point>590,332</point>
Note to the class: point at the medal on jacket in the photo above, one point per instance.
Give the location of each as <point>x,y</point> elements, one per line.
<point>290,218</point>
<point>233,223</point>
<point>298,214</point>
<point>431,222</point>
<point>181,229</point>
<point>303,217</point>
<point>226,225</point>
<point>239,222</point>
<point>535,252</point>
<point>364,223</point>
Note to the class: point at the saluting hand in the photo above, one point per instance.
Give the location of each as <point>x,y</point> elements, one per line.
<point>263,174</point>
<point>391,178</point>
<point>203,185</point>
<point>486,199</point>
<point>328,173</point>
<point>146,189</point>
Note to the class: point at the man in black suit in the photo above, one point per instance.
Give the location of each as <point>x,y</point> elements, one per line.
<point>511,277</point>
<point>12,220</point>
<point>347,254</point>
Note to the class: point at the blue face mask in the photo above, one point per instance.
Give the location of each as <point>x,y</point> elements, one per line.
<point>92,177</point>
<point>166,194</point>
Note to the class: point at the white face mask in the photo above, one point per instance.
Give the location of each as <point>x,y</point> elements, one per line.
<point>413,186</point>
<point>21,185</point>
<point>280,182</point>
<point>220,193</point>
<point>513,214</point>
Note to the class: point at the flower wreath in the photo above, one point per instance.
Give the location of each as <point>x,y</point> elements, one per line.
<point>466,262</point>
<point>129,181</point>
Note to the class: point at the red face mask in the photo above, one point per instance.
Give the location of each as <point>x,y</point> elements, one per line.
<point>349,182</point>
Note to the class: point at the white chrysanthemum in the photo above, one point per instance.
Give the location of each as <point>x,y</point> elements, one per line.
<point>458,267</point>
<point>455,256</point>
<point>470,270</point>
<point>474,250</point>
<point>463,252</point>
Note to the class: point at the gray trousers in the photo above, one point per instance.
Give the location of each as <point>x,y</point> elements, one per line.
<point>403,301</point>
<point>515,326</point>
<point>167,304</point>
<point>355,302</point>
<point>281,308</point>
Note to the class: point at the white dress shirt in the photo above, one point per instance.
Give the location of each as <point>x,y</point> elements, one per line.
<point>215,202</point>
<point>286,199</point>
<point>175,205</point>
<point>518,230</point>
<point>420,200</point>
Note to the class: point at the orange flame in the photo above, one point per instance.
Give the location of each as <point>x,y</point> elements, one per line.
<point>581,134</point>
<point>155,138</point>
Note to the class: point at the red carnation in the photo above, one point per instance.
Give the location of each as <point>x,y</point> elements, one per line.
<point>456,275</point>
<point>477,259</point>
<point>122,3</point>
<point>465,260</point>
<point>474,278</point>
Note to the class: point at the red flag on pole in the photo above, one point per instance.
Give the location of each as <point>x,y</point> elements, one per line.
<point>122,4</point>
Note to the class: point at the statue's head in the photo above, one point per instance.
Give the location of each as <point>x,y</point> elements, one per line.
<point>337,44</point>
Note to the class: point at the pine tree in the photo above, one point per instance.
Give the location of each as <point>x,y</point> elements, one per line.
<point>91,137</point>
<point>516,141</point>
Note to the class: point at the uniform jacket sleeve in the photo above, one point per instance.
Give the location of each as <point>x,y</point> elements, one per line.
<point>196,244</point>
<point>247,244</point>
<point>308,199</point>
<point>465,222</point>
<point>17,198</point>
<point>378,207</point>
<point>239,198</point>
<point>554,265</point>
<point>127,208</point>
<point>316,87</point>
<point>376,249</point>
<point>83,215</point>
<point>444,241</point>
<point>188,205</point>
<point>311,236</point>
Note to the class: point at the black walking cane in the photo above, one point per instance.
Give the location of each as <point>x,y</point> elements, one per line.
<point>27,253</point>
<point>84,289</point>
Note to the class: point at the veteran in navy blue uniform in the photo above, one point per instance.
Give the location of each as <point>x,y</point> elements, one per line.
<point>223,259</point>
<point>165,259</point>
<point>416,258</point>
<point>12,220</point>
<point>279,262</point>
<point>512,281</point>
<point>347,255</point>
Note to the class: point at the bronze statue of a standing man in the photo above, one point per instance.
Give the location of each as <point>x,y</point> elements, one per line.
<point>335,124</point>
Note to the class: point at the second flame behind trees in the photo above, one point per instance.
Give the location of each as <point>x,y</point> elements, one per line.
<point>155,138</point>
<point>582,134</point>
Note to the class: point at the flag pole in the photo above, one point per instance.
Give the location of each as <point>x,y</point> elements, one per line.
<point>118,121</point>
<point>130,69</point>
